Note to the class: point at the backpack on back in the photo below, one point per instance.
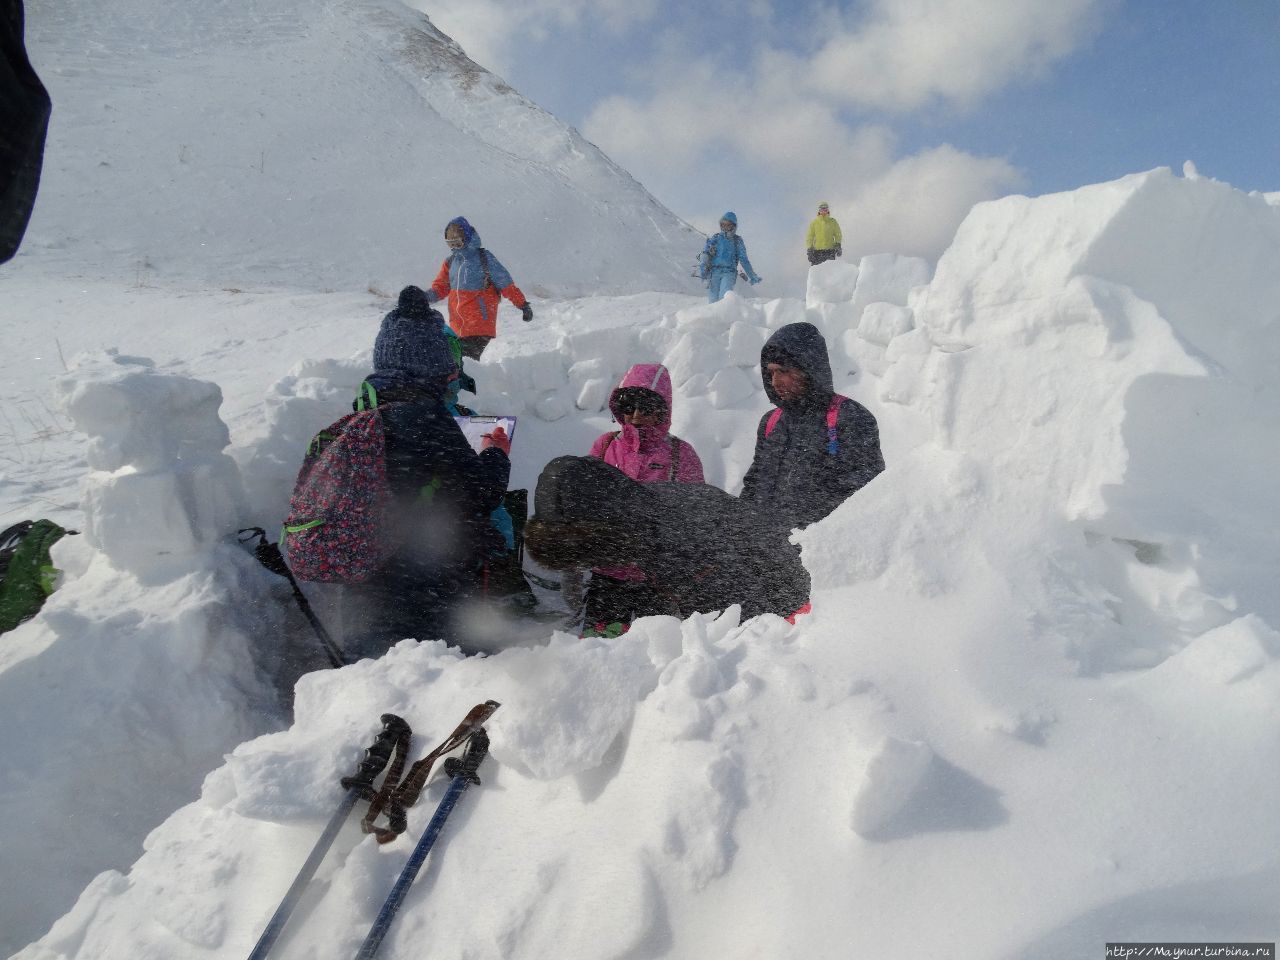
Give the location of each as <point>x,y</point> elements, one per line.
<point>337,530</point>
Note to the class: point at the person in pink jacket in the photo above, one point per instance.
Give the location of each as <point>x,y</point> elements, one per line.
<point>645,450</point>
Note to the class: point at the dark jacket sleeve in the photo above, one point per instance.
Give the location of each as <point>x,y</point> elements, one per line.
<point>752,478</point>
<point>858,449</point>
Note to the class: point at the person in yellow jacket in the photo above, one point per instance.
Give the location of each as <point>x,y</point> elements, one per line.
<point>823,238</point>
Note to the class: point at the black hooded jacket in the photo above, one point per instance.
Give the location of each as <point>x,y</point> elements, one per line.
<point>444,491</point>
<point>793,479</point>
<point>701,548</point>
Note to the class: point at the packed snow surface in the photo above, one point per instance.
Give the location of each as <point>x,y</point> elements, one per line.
<point>1034,708</point>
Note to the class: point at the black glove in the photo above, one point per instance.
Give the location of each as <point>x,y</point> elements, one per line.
<point>526,312</point>
<point>839,252</point>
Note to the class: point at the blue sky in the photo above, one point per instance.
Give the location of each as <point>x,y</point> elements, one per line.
<point>901,113</point>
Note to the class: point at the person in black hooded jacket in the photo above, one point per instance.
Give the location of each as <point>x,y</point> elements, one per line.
<point>700,548</point>
<point>816,449</point>
<point>442,490</point>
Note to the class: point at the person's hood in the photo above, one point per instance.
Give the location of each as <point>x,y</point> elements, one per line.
<point>470,237</point>
<point>411,346</point>
<point>651,376</point>
<point>803,346</point>
<point>575,489</point>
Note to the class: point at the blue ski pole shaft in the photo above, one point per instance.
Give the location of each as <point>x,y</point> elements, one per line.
<point>290,901</point>
<point>395,735</point>
<point>464,774</point>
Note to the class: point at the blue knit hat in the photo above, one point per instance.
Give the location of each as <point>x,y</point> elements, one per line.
<point>731,217</point>
<point>411,340</point>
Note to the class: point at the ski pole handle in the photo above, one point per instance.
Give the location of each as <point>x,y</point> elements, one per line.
<point>377,755</point>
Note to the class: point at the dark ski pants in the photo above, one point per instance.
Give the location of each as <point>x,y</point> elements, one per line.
<point>397,603</point>
<point>473,347</point>
<point>820,256</point>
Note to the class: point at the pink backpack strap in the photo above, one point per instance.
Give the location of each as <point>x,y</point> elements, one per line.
<point>772,422</point>
<point>833,414</point>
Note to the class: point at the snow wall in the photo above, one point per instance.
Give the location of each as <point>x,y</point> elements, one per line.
<point>1040,647</point>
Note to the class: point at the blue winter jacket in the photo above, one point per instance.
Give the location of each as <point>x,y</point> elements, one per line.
<point>724,252</point>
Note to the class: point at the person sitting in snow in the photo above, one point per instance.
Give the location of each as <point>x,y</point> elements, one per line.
<point>822,242</point>
<point>700,549</point>
<point>474,280</point>
<point>443,491</point>
<point>646,451</point>
<point>817,448</point>
<point>720,259</point>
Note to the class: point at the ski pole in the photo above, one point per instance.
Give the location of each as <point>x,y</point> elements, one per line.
<point>395,736</point>
<point>268,554</point>
<point>463,771</point>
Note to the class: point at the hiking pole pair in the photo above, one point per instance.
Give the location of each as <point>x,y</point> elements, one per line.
<point>463,773</point>
<point>394,738</point>
<point>268,554</point>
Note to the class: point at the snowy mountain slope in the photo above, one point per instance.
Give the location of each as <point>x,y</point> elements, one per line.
<point>321,145</point>
<point>1032,711</point>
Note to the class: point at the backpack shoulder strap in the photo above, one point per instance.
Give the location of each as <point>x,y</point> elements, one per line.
<point>774,416</point>
<point>368,397</point>
<point>833,414</point>
<point>484,265</point>
<point>675,457</point>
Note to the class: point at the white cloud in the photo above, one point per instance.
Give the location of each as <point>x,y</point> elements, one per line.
<point>915,51</point>
<point>915,206</point>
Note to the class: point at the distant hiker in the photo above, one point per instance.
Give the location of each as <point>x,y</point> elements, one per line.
<point>646,451</point>
<point>817,448</point>
<point>24,118</point>
<point>720,258</point>
<point>823,239</point>
<point>700,548</point>
<point>473,279</point>
<point>443,492</point>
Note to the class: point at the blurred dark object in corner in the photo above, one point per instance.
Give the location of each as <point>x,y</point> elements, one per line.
<point>24,120</point>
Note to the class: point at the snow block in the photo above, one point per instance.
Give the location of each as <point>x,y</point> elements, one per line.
<point>162,487</point>
<point>881,322</point>
<point>831,282</point>
<point>745,342</point>
<point>889,277</point>
<point>731,387</point>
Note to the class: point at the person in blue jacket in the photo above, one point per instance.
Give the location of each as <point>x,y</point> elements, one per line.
<point>720,259</point>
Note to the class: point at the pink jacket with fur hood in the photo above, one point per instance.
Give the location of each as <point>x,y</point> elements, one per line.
<point>644,453</point>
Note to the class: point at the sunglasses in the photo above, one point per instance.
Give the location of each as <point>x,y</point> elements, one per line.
<point>631,400</point>
<point>455,243</point>
<point>727,225</point>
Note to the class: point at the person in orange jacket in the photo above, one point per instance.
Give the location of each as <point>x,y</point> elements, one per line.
<point>473,279</point>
